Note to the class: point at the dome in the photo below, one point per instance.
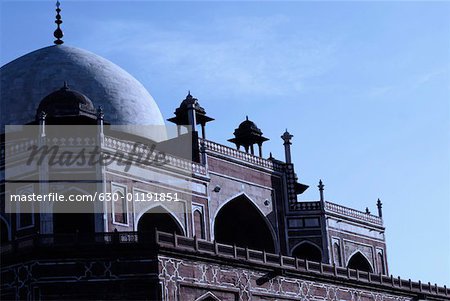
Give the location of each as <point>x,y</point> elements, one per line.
<point>28,79</point>
<point>248,134</point>
<point>190,100</point>
<point>66,102</point>
<point>248,127</point>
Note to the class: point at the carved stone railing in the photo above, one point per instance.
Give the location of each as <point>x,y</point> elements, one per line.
<point>17,148</point>
<point>37,241</point>
<point>352,213</point>
<point>173,161</point>
<point>240,155</point>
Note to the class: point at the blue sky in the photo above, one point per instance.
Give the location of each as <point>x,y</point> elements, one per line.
<point>363,87</point>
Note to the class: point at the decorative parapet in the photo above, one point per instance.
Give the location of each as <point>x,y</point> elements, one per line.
<point>16,148</point>
<point>278,262</point>
<point>184,245</point>
<point>305,206</point>
<point>19,147</point>
<point>243,156</point>
<point>127,146</point>
<point>352,213</point>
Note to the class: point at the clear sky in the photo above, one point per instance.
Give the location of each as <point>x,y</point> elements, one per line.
<point>364,87</point>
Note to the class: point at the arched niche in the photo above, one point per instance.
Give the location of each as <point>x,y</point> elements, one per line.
<point>158,218</point>
<point>359,262</point>
<point>199,225</point>
<point>239,222</point>
<point>307,250</point>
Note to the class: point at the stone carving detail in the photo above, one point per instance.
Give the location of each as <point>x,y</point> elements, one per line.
<point>252,285</point>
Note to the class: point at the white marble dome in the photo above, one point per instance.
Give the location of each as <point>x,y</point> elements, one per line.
<point>28,79</point>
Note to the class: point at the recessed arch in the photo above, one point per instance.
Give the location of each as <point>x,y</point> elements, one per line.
<point>382,269</point>
<point>337,254</point>
<point>307,250</point>
<point>225,202</point>
<point>358,261</point>
<point>239,221</point>
<point>160,218</point>
<point>208,297</point>
<point>198,223</point>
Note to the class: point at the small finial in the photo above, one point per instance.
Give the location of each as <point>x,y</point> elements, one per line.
<point>379,206</point>
<point>100,113</point>
<point>246,117</point>
<point>321,186</point>
<point>287,137</point>
<point>58,34</point>
<point>42,115</point>
<point>367,210</point>
<point>270,155</point>
<point>66,86</point>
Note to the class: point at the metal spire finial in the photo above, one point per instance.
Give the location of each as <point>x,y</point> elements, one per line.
<point>379,206</point>
<point>321,186</point>
<point>58,34</point>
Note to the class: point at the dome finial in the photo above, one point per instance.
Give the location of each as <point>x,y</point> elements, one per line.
<point>58,34</point>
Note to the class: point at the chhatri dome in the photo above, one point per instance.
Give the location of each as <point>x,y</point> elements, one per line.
<point>28,79</point>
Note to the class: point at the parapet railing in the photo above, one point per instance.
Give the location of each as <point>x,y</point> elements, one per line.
<point>349,212</point>
<point>287,263</point>
<point>234,153</point>
<point>171,160</point>
<point>23,146</point>
<point>215,249</point>
<point>68,240</point>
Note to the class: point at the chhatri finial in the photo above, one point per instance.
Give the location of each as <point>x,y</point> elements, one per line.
<point>246,117</point>
<point>321,186</point>
<point>58,34</point>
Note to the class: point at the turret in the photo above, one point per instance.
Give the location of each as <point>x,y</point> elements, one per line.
<point>247,135</point>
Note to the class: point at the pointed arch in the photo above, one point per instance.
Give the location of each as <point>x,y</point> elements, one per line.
<point>307,250</point>
<point>358,261</point>
<point>198,223</point>
<point>239,221</point>
<point>160,218</point>
<point>382,269</point>
<point>337,254</point>
<point>208,297</point>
